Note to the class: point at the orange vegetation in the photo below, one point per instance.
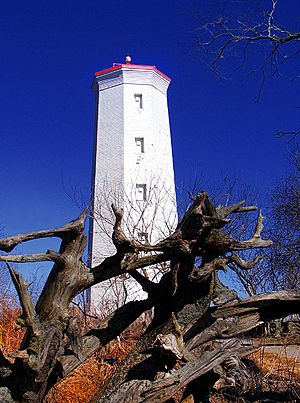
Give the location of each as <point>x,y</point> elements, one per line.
<point>282,361</point>
<point>10,333</point>
<point>88,379</point>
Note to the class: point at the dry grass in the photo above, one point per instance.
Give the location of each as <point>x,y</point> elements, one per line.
<point>88,379</point>
<point>10,333</point>
<point>282,363</point>
<point>279,372</point>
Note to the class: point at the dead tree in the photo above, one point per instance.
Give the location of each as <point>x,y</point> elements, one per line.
<point>196,319</point>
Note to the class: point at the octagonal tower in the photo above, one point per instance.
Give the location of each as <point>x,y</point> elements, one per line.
<point>132,167</point>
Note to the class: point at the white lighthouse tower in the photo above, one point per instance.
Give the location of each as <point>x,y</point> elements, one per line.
<point>132,167</point>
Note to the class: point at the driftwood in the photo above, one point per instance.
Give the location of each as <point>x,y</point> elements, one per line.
<point>188,336</point>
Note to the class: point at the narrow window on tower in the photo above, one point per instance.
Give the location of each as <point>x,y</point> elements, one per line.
<point>140,191</point>
<point>143,237</point>
<point>138,101</point>
<point>139,142</point>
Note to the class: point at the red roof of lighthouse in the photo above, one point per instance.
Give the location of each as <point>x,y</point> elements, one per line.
<point>117,66</point>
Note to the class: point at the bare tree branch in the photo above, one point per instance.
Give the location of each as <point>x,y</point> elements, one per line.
<point>29,316</point>
<point>243,264</point>
<point>8,244</point>
<point>50,255</point>
<point>226,43</point>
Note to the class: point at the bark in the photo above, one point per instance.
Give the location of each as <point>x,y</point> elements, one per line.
<point>187,338</point>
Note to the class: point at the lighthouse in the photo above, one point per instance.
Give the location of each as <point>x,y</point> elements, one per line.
<point>132,168</point>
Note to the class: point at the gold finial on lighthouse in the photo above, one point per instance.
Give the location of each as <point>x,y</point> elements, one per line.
<point>128,59</point>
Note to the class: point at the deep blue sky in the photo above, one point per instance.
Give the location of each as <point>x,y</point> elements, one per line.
<point>49,52</point>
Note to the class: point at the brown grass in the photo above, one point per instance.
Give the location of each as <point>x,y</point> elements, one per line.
<point>279,364</point>
<point>88,379</point>
<point>10,333</point>
<point>280,371</point>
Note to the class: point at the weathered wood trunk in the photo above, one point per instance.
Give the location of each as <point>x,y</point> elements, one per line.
<point>195,323</point>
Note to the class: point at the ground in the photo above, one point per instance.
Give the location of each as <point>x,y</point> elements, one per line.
<point>276,372</point>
